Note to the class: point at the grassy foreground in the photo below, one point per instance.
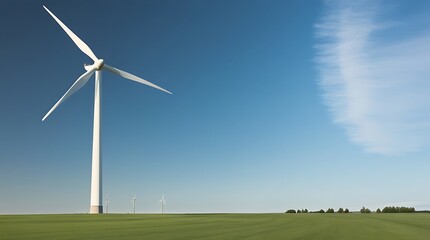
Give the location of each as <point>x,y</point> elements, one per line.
<point>217,226</point>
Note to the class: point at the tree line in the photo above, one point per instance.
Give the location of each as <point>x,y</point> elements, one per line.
<point>330,210</point>
<point>362,210</point>
<point>398,210</point>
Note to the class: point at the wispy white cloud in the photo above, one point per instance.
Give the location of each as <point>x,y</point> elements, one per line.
<point>375,81</point>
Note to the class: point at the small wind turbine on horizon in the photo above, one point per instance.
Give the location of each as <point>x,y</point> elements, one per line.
<point>162,202</point>
<point>107,203</point>
<point>134,204</point>
<point>96,205</point>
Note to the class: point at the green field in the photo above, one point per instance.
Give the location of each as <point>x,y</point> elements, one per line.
<point>217,226</point>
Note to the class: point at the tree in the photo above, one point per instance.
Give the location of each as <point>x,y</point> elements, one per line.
<point>406,210</point>
<point>365,210</point>
<point>378,210</point>
<point>330,210</point>
<point>398,210</point>
<point>346,210</point>
<point>302,211</point>
<point>291,211</point>
<point>321,211</point>
<point>340,210</point>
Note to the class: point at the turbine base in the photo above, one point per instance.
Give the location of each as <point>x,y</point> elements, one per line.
<point>96,209</point>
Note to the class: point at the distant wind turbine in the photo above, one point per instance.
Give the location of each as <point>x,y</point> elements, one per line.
<point>134,204</point>
<point>96,205</point>
<point>107,203</point>
<point>162,202</point>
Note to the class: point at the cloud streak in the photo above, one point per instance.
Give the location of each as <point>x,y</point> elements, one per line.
<point>374,79</point>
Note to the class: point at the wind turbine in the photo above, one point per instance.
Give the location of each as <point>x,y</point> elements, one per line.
<point>134,204</point>
<point>96,205</point>
<point>162,202</point>
<point>107,203</point>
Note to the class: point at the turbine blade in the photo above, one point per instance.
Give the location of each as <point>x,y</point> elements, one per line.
<point>75,87</point>
<point>81,45</point>
<point>132,77</point>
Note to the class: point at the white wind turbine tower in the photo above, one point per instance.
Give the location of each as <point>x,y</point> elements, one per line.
<point>96,205</point>
<point>134,204</point>
<point>162,202</point>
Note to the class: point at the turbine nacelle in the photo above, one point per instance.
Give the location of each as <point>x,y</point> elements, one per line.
<point>98,65</point>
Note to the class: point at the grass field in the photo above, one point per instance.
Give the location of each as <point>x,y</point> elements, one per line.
<point>217,226</point>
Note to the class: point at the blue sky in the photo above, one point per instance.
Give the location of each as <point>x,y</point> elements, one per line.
<point>275,105</point>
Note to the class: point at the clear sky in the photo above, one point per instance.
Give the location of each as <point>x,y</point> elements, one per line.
<point>275,105</point>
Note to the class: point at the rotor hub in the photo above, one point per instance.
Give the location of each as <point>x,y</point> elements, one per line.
<point>99,64</point>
